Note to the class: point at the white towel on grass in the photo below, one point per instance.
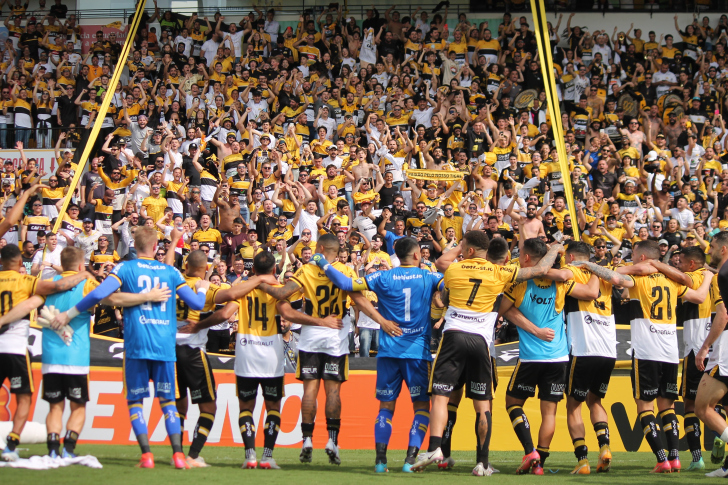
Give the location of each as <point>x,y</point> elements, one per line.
<point>48,463</point>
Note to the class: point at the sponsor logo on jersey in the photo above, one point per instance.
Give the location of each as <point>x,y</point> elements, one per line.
<point>662,331</point>
<point>415,390</point>
<point>309,370</point>
<point>479,387</point>
<point>330,368</point>
<point>152,321</point>
<point>671,387</point>
<point>196,394</point>
<point>603,388</point>
<point>139,390</point>
<point>75,393</point>
<point>53,395</point>
<point>385,392</point>
<point>271,391</point>
<point>248,393</point>
<point>541,301</point>
<point>649,392</point>
<point>579,392</point>
<point>588,319</point>
<point>526,388</point>
<point>16,382</point>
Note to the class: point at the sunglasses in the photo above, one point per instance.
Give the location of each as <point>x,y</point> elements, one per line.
<point>600,247</point>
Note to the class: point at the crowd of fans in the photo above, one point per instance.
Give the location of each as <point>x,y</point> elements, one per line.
<point>249,137</point>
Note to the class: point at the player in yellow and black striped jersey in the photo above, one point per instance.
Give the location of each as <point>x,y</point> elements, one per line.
<point>323,352</point>
<point>653,303</point>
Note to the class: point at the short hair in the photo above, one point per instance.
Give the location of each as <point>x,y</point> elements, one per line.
<point>578,248</point>
<point>694,253</point>
<point>328,241</point>
<point>341,204</point>
<point>9,253</point>
<point>535,248</point>
<point>238,220</point>
<point>497,249</point>
<point>197,259</point>
<point>719,239</point>
<point>71,257</point>
<point>404,247</point>
<point>145,239</point>
<point>477,239</point>
<point>264,262</point>
<point>649,248</point>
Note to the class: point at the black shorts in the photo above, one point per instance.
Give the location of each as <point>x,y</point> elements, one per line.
<point>195,373</point>
<point>317,365</point>
<point>690,377</point>
<point>652,379</point>
<point>116,216</point>
<point>16,368</point>
<point>550,377</point>
<point>57,387</point>
<point>589,374</point>
<point>247,388</point>
<point>715,374</point>
<point>463,359</point>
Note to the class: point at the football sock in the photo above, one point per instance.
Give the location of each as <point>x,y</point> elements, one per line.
<point>182,418</point>
<point>602,430</point>
<point>202,430</point>
<point>54,443</point>
<point>580,450</point>
<point>482,451</point>
<point>247,429</point>
<point>519,421</point>
<point>272,427</point>
<point>419,428</point>
<point>452,416</point>
<point>69,442</point>
<point>382,433</point>
<point>692,433</point>
<point>333,425</point>
<point>543,453</point>
<point>652,432</point>
<point>171,423</point>
<point>307,429</point>
<point>136,414</point>
<point>435,443</point>
<point>672,432</point>
<point>13,441</point>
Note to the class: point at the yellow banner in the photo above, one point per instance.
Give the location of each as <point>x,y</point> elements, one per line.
<point>417,174</point>
<point>624,428</point>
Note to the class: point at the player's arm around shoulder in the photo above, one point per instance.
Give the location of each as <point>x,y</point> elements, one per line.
<point>700,294</point>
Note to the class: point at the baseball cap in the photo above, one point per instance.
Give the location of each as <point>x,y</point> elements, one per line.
<point>629,182</point>
<point>332,147</point>
<point>67,151</point>
<point>457,126</point>
<point>7,161</point>
<point>663,241</point>
<point>652,156</point>
<point>231,134</point>
<point>432,185</point>
<point>660,136</point>
<point>193,146</point>
<point>87,220</point>
<point>368,202</point>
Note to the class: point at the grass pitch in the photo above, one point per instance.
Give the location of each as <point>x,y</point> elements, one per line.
<point>357,467</point>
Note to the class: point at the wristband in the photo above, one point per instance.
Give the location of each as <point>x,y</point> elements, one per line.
<point>202,290</point>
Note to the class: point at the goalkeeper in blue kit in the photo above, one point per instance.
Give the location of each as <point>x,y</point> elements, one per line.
<point>149,337</point>
<point>404,295</point>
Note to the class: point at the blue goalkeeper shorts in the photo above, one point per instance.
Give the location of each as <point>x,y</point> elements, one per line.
<point>391,372</point>
<point>138,373</point>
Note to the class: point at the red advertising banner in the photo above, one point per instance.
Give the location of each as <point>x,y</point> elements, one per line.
<point>88,35</point>
<point>107,415</point>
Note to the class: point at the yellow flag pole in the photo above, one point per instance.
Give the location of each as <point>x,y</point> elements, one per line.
<point>102,112</point>
<point>547,70</point>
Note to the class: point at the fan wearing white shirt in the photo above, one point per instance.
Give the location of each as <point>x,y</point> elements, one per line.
<point>683,215</point>
<point>233,39</point>
<point>172,156</point>
<point>423,115</point>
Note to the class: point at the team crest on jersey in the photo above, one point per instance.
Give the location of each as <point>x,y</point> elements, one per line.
<point>359,281</point>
